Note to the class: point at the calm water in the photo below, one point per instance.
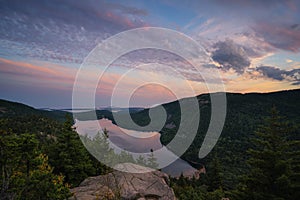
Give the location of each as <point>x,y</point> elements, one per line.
<point>137,142</point>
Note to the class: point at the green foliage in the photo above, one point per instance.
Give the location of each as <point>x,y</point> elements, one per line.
<point>141,160</point>
<point>244,113</point>
<point>13,109</point>
<point>43,127</point>
<point>152,161</point>
<point>24,169</point>
<point>99,147</point>
<point>272,170</point>
<point>186,189</point>
<point>270,162</point>
<point>69,157</point>
<point>50,186</point>
<point>214,179</point>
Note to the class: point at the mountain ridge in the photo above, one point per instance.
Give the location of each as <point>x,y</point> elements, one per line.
<point>245,113</point>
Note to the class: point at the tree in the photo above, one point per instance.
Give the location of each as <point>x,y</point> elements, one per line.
<point>152,161</point>
<point>9,156</point>
<point>141,161</point>
<point>24,169</point>
<point>42,183</point>
<point>100,151</point>
<point>69,156</point>
<point>270,162</point>
<point>214,175</point>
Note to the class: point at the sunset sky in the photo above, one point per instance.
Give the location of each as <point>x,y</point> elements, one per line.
<point>255,45</point>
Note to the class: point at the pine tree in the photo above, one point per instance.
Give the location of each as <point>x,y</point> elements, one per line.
<point>69,156</point>
<point>101,154</point>
<point>9,157</point>
<point>50,186</point>
<point>141,161</point>
<point>270,162</point>
<point>24,169</point>
<point>152,161</point>
<point>214,175</point>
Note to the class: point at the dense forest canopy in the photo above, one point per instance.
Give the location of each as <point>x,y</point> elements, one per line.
<point>260,140</point>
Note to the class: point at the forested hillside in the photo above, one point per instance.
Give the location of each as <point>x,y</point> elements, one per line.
<point>15,109</point>
<point>42,156</point>
<point>245,113</point>
<point>258,151</point>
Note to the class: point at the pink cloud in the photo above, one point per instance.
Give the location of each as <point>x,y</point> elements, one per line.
<point>49,75</point>
<point>122,20</point>
<point>279,36</point>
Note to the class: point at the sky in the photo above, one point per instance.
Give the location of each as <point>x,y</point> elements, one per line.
<point>254,46</point>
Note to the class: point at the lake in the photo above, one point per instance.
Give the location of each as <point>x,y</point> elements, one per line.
<point>137,142</point>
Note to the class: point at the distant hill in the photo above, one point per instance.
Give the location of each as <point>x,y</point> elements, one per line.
<point>13,109</point>
<point>245,113</point>
<point>287,102</point>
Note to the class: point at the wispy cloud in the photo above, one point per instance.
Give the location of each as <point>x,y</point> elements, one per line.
<point>64,31</point>
<point>51,76</point>
<point>286,37</point>
<point>42,43</point>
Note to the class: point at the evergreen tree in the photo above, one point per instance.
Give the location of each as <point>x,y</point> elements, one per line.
<point>24,169</point>
<point>270,163</point>
<point>69,156</point>
<point>141,161</point>
<point>125,157</point>
<point>214,175</point>
<point>100,151</point>
<point>9,157</point>
<point>42,183</point>
<point>152,161</point>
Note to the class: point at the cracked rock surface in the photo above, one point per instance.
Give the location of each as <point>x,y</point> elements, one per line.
<point>128,186</point>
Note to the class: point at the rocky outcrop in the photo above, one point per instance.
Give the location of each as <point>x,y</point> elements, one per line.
<point>128,186</point>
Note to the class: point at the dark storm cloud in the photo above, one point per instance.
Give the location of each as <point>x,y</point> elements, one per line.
<point>231,56</point>
<point>280,74</point>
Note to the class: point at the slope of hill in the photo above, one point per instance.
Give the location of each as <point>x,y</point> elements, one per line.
<point>245,113</point>
<point>9,109</point>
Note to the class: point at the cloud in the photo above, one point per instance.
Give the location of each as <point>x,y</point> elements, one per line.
<point>90,14</point>
<point>285,37</point>
<point>244,11</point>
<point>64,31</point>
<point>296,26</point>
<point>262,27</point>
<point>125,9</point>
<point>48,75</point>
<point>258,4</point>
<point>280,74</point>
<point>231,56</point>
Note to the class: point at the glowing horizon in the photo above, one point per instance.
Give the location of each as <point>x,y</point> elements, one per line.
<point>43,45</point>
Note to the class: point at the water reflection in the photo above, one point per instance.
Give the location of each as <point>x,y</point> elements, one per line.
<point>137,142</point>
